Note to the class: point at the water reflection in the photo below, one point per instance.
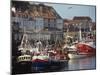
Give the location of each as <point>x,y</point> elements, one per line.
<point>71,65</point>
<point>79,64</point>
<point>75,64</point>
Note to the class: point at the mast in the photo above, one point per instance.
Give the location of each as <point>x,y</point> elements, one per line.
<point>25,43</point>
<point>80,32</point>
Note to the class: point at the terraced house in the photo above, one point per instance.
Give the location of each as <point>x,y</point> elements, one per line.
<point>72,27</point>
<point>39,21</point>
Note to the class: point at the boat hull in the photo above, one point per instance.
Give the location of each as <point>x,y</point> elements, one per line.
<point>39,65</point>
<point>40,62</point>
<point>85,49</point>
<point>22,67</point>
<point>78,56</point>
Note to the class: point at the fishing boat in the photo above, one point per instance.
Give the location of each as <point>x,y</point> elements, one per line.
<point>24,58</point>
<point>86,47</point>
<point>23,64</point>
<point>40,60</point>
<point>82,48</point>
<point>47,59</point>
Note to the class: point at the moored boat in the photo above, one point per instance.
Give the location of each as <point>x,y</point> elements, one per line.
<point>77,56</point>
<point>23,64</point>
<point>86,48</point>
<point>40,62</point>
<point>24,58</point>
<point>81,50</point>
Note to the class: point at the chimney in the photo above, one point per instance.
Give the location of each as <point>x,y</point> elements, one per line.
<point>41,8</point>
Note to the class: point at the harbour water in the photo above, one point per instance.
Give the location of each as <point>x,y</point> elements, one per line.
<point>87,63</point>
<point>81,64</point>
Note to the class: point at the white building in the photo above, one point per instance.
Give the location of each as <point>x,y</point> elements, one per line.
<point>39,22</point>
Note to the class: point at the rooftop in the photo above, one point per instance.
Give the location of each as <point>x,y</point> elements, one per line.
<point>82,18</point>
<point>24,9</point>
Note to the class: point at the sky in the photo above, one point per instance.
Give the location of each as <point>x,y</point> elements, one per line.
<point>68,11</point>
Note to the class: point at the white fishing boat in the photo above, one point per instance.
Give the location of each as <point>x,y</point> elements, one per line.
<point>24,58</point>
<point>25,48</point>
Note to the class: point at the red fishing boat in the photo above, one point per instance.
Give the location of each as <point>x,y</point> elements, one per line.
<point>83,48</point>
<point>86,48</point>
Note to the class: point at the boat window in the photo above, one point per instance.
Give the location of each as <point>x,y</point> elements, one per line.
<point>26,57</point>
<point>22,58</point>
<point>19,59</point>
<point>29,57</point>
